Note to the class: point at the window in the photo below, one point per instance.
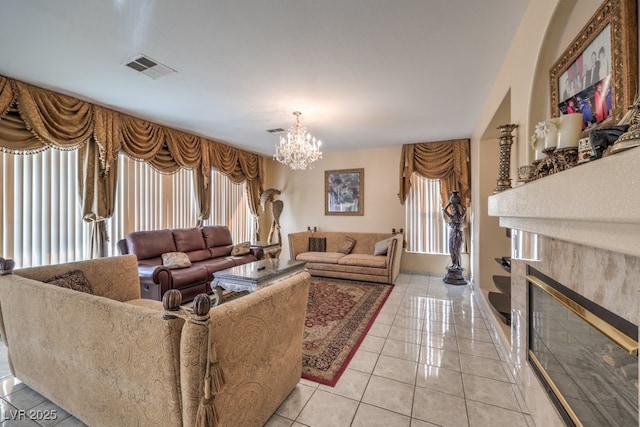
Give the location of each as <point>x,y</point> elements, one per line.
<point>230,207</point>
<point>426,227</point>
<point>151,200</point>
<point>41,223</point>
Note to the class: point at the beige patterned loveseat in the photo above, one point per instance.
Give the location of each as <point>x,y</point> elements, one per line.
<point>359,264</point>
<point>113,359</point>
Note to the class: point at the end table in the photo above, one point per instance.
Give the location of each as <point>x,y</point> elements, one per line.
<point>269,250</point>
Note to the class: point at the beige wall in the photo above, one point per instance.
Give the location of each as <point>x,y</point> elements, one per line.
<point>303,197</point>
<point>544,33</point>
<point>547,29</point>
<point>520,95</point>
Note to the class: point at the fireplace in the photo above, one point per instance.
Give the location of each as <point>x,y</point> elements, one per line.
<point>584,355</point>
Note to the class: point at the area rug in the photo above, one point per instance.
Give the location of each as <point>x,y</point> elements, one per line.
<point>339,315</point>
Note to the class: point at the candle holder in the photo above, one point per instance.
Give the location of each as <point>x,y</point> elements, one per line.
<point>506,139</point>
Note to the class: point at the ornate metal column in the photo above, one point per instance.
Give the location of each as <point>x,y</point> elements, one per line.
<point>506,139</point>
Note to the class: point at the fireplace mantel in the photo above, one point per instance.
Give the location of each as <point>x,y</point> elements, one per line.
<point>595,204</point>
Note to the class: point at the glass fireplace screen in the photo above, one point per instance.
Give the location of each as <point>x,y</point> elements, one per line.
<point>588,366</point>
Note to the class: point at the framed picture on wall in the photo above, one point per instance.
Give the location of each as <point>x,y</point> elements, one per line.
<point>597,75</point>
<point>344,192</point>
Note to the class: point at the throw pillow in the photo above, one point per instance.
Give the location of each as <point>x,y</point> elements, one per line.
<point>241,249</point>
<point>380,248</point>
<point>173,260</point>
<point>347,245</point>
<point>317,244</point>
<point>74,279</point>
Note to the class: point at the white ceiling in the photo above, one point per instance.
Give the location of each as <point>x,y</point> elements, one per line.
<point>364,73</point>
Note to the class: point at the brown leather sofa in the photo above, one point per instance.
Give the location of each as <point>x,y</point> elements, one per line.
<point>208,249</point>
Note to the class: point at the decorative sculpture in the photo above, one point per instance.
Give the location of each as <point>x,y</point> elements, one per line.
<point>276,210</point>
<point>455,213</point>
<point>631,138</point>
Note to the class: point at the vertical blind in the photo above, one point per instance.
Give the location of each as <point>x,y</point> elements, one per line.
<point>150,200</point>
<point>230,207</point>
<point>41,220</point>
<point>426,227</point>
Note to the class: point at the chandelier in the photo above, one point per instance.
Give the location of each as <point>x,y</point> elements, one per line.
<point>298,149</point>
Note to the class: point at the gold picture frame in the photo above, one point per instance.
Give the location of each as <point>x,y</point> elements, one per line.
<point>597,75</point>
<point>344,192</point>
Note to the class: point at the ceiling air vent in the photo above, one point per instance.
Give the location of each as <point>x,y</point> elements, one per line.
<point>276,130</point>
<point>149,67</point>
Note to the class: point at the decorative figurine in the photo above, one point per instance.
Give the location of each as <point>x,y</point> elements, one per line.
<point>455,213</point>
<point>276,210</point>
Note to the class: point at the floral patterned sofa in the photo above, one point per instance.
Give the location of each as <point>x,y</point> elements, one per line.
<point>111,358</point>
<point>361,262</point>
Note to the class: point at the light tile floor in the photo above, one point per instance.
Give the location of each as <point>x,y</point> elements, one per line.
<point>428,360</point>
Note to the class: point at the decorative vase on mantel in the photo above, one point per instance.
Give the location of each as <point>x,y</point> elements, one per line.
<point>545,139</point>
<point>555,142</point>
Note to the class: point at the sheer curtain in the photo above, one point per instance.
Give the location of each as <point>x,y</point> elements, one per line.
<point>426,227</point>
<point>41,221</point>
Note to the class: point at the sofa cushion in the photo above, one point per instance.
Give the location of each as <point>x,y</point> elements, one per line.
<point>150,244</point>
<point>326,257</point>
<point>199,255</point>
<point>193,275</point>
<point>216,264</point>
<point>317,244</point>
<point>220,251</point>
<point>364,260</point>
<point>241,249</point>
<point>74,279</point>
<point>173,260</point>
<point>346,246</point>
<point>188,239</point>
<point>217,235</point>
<point>381,246</point>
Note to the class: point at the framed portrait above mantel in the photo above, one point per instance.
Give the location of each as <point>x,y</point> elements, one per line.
<point>344,192</point>
<point>597,75</point>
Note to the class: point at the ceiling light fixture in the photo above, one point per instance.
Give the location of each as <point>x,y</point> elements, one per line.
<point>298,149</point>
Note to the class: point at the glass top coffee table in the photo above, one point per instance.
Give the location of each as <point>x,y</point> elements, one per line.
<point>249,277</point>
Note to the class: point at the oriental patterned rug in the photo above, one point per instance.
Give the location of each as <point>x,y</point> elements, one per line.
<point>339,315</point>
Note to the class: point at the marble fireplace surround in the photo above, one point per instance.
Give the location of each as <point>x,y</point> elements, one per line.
<point>588,222</point>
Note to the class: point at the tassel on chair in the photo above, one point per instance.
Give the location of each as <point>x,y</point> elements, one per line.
<point>206,415</point>
<point>216,372</point>
<point>217,377</point>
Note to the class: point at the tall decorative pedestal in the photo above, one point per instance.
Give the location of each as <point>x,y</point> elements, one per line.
<point>506,139</point>
<point>454,276</point>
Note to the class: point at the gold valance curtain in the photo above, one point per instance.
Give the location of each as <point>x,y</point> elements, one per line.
<point>239,166</point>
<point>33,119</point>
<point>447,161</point>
